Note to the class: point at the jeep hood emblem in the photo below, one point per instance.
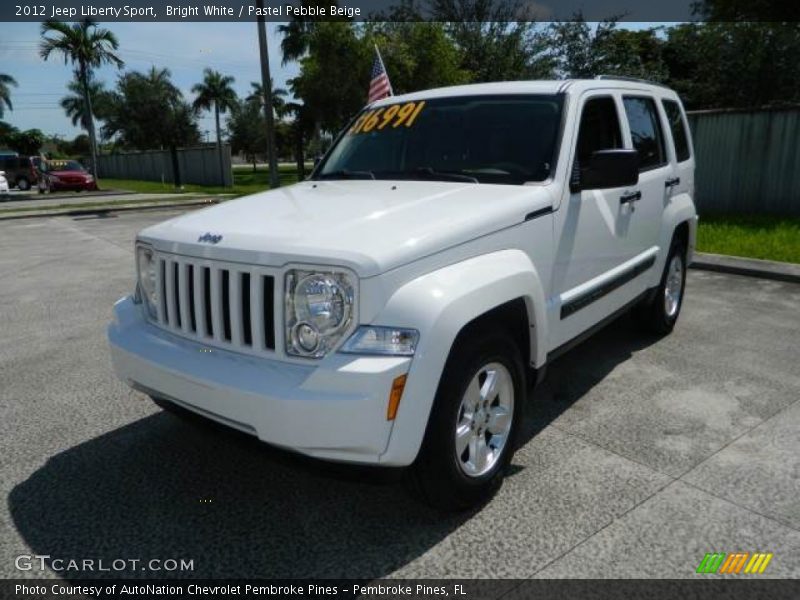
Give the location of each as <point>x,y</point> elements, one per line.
<point>209,238</point>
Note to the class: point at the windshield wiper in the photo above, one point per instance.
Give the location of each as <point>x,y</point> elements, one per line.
<point>347,174</point>
<point>446,175</point>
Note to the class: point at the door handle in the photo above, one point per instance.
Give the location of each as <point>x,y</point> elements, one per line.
<point>630,197</point>
<point>672,182</point>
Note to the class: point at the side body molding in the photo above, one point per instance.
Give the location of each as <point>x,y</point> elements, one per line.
<point>439,304</point>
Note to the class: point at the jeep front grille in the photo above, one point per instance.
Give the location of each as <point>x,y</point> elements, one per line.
<point>224,304</point>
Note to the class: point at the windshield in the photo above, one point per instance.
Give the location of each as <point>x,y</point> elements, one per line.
<point>508,139</point>
<point>68,165</point>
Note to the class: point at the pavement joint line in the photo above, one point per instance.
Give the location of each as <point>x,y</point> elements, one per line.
<point>672,480</point>
<point>745,508</point>
<point>612,451</point>
<point>72,226</point>
<point>61,222</point>
<point>681,477</point>
<point>604,527</point>
<point>737,438</point>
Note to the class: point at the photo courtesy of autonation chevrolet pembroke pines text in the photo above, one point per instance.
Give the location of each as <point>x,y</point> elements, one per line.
<point>426,299</point>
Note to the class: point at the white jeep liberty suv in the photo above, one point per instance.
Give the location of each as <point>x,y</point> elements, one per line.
<point>393,308</point>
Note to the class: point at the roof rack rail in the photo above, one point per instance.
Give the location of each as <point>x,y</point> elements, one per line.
<point>630,79</point>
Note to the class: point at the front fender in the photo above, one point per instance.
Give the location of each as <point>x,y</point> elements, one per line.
<point>439,305</point>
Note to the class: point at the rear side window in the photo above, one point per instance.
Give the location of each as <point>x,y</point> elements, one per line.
<point>648,139</point>
<point>677,126</point>
<point>599,129</point>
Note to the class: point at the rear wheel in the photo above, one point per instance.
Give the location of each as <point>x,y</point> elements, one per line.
<point>23,184</point>
<point>471,433</point>
<point>660,313</point>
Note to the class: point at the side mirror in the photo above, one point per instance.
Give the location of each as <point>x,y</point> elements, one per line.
<point>317,159</point>
<point>607,169</point>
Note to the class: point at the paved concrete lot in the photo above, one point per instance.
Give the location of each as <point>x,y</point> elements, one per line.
<point>641,455</point>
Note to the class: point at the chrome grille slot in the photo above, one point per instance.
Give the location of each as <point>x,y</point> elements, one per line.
<point>232,306</point>
<point>269,312</point>
<point>247,329</point>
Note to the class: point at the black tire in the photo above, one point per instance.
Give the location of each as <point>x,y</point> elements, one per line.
<point>436,475</point>
<point>652,314</point>
<point>23,184</point>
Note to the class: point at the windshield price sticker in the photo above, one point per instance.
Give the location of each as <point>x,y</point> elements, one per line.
<point>394,115</point>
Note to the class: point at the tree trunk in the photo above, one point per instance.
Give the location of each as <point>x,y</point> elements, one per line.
<point>266,83</point>
<point>84,73</point>
<point>176,166</point>
<point>219,145</point>
<point>298,153</point>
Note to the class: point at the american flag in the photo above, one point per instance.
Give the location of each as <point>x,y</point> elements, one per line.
<point>379,86</point>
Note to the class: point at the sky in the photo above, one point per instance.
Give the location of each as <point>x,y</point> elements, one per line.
<point>184,48</point>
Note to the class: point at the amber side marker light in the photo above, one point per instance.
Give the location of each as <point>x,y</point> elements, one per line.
<point>398,385</point>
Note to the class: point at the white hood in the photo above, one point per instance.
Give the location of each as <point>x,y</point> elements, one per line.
<point>369,226</point>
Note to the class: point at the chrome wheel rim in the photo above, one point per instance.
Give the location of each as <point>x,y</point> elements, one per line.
<point>484,420</point>
<point>673,286</point>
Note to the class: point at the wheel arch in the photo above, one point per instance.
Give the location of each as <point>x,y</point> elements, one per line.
<point>680,218</point>
<point>497,289</point>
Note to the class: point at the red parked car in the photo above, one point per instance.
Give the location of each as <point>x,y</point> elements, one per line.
<point>57,175</point>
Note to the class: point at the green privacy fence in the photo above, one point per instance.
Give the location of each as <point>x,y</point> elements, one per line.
<point>200,165</point>
<point>748,161</point>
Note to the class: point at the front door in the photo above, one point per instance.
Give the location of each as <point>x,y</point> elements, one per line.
<point>592,229</point>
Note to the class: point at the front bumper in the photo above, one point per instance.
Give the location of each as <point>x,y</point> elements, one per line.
<point>64,186</point>
<point>334,408</point>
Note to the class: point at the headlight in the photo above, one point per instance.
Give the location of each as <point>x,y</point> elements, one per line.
<point>393,341</point>
<point>146,277</point>
<point>319,310</point>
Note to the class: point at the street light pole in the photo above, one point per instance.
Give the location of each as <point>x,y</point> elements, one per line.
<point>266,84</point>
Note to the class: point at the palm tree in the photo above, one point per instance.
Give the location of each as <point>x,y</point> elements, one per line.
<point>87,47</point>
<point>278,97</point>
<point>266,82</point>
<point>215,92</point>
<point>6,81</point>
<point>75,104</point>
<point>297,34</point>
<point>302,129</point>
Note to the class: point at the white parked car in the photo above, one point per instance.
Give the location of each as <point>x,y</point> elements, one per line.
<point>393,308</point>
<point>3,184</point>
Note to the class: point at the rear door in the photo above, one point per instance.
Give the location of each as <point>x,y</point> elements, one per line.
<point>682,179</point>
<point>646,131</point>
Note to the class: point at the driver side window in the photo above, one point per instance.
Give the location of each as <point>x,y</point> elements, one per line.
<point>599,129</point>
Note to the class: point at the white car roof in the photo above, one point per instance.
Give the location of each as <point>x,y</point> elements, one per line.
<point>529,87</point>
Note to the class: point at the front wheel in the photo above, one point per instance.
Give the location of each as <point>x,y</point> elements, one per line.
<point>471,434</point>
<point>660,313</point>
<point>23,184</point>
